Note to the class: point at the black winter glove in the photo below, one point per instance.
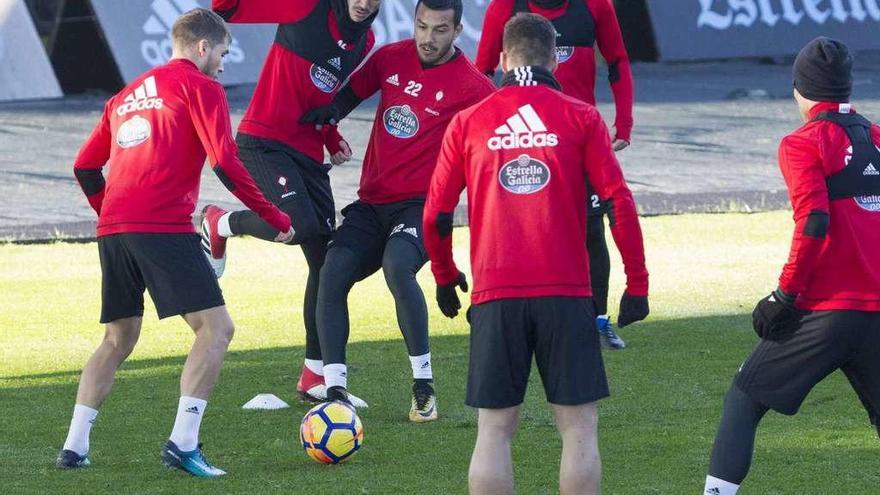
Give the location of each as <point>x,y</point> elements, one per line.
<point>632,309</point>
<point>447,297</point>
<point>776,316</point>
<point>328,114</point>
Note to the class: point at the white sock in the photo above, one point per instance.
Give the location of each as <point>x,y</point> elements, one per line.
<point>80,427</point>
<point>421,366</point>
<point>602,317</point>
<point>316,366</point>
<point>716,486</point>
<point>336,375</point>
<point>223,228</point>
<point>186,427</point>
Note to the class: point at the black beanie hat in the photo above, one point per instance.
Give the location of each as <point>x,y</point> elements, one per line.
<point>823,71</point>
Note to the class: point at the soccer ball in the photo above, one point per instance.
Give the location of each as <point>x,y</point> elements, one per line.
<point>331,432</point>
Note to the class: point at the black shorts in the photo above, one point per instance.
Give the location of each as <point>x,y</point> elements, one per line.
<point>366,229</point>
<point>172,267</point>
<point>780,374</point>
<point>299,185</point>
<point>595,204</point>
<point>561,334</point>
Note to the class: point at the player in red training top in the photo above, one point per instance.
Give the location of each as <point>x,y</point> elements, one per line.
<point>825,313</point>
<point>156,133</point>
<point>423,83</point>
<point>524,155</point>
<point>317,45</point>
<point>580,25</point>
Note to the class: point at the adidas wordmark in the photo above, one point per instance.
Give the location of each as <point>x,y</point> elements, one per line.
<point>523,130</point>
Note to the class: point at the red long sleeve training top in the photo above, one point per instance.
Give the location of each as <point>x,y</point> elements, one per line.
<point>524,154</point>
<point>577,65</point>
<point>416,106</point>
<point>305,66</point>
<point>838,271</point>
<point>155,134</point>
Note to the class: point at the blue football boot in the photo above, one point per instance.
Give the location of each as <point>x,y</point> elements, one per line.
<point>192,462</point>
<point>610,340</point>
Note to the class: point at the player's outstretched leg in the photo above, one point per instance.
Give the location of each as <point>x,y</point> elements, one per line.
<point>400,264</point>
<point>214,232</point>
<point>218,225</point>
<point>214,329</point>
<point>95,383</point>
<point>580,470</point>
<point>600,272</point>
<point>491,469</point>
<point>734,443</point>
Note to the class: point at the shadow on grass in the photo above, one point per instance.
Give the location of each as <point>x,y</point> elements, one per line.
<point>656,429</point>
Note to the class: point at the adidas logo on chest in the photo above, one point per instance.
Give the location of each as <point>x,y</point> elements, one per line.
<point>871,170</point>
<point>144,97</point>
<point>523,130</point>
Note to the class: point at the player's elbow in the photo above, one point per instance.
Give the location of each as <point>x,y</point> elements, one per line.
<point>91,180</point>
<point>817,224</point>
<point>443,222</point>
<point>224,178</point>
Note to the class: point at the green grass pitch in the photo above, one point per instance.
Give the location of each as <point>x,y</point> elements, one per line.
<point>656,430</point>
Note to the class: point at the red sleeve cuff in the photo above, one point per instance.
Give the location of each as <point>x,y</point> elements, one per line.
<point>331,139</point>
<point>445,276</point>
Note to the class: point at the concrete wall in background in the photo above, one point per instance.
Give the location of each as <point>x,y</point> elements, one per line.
<point>25,71</point>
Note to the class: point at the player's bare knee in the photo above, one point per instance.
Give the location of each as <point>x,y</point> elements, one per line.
<point>580,421</point>
<point>221,334</point>
<point>498,423</point>
<point>120,345</point>
<point>121,338</point>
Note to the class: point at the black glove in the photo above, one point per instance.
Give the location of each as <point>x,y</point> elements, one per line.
<point>447,297</point>
<point>632,309</point>
<point>775,316</point>
<point>328,114</point>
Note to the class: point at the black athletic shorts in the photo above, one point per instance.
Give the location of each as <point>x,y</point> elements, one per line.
<point>299,185</point>
<point>561,334</point>
<point>366,229</point>
<point>172,267</point>
<point>780,374</point>
<point>595,205</point>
